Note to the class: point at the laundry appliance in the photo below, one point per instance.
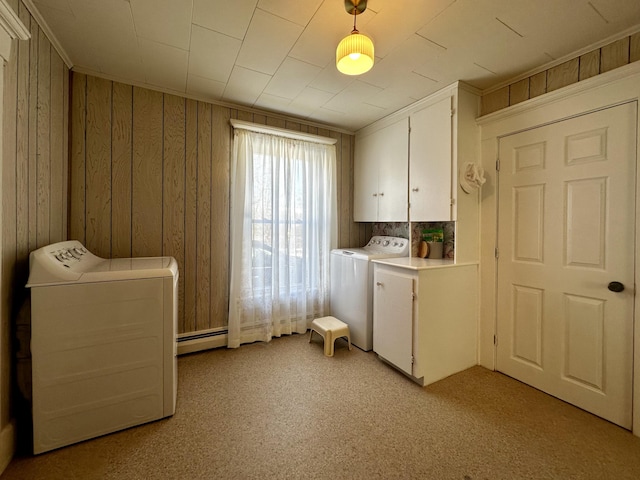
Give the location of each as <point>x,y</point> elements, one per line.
<point>352,284</point>
<point>103,342</point>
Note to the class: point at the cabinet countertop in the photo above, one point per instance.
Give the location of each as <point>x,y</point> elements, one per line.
<point>416,263</point>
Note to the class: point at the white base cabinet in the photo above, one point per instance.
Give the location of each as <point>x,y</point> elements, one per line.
<point>425,320</point>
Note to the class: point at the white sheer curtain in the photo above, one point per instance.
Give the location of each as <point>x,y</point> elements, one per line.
<point>283,227</point>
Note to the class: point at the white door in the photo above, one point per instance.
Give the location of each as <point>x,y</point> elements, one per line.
<point>566,231</point>
<point>393,318</point>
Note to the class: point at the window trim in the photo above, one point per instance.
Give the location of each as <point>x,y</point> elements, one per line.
<point>281,132</point>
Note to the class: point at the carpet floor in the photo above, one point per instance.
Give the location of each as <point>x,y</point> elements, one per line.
<point>283,410</point>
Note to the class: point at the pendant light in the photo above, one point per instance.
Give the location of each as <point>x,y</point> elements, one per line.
<point>354,55</point>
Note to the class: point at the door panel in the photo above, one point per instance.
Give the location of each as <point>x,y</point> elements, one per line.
<point>393,318</point>
<point>566,229</point>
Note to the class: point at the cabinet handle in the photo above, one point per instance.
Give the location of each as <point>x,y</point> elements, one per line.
<point>382,194</point>
<point>379,284</point>
<point>375,194</point>
<point>414,189</point>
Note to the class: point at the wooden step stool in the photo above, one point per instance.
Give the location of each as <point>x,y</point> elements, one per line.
<point>330,328</point>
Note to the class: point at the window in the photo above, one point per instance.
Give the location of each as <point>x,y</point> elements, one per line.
<point>283,229</point>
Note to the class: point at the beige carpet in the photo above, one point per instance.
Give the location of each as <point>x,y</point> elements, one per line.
<point>284,410</point>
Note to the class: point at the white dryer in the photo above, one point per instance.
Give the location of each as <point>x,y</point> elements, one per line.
<point>103,343</point>
<point>352,284</point>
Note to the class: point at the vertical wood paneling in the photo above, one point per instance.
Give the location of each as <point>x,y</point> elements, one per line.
<point>33,132</point>
<point>43,139</point>
<point>589,64</point>
<point>538,84</point>
<point>34,205</point>
<point>9,219</point>
<point>98,167</point>
<point>190,275</point>
<point>221,151</point>
<point>8,259</point>
<point>65,149</point>
<point>276,122</point>
<point>614,55</point>
<point>58,204</point>
<point>342,193</point>
<point>634,47</point>
<point>121,151</point>
<point>173,186</point>
<point>519,92</point>
<point>22,146</point>
<point>77,204</point>
<point>169,187</point>
<point>146,215</point>
<point>495,100</point>
<point>203,226</point>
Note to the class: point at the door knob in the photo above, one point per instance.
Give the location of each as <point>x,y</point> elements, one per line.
<point>616,287</point>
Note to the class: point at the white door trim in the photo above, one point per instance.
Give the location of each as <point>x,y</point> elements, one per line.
<point>617,86</point>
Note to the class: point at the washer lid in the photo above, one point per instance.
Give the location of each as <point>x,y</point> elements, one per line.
<point>70,262</point>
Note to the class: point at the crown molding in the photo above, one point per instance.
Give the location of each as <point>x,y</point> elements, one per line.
<point>559,61</point>
<point>11,28</point>
<point>35,13</point>
<point>11,23</point>
<point>620,73</point>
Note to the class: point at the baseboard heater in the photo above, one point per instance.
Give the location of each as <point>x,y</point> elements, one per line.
<point>202,340</point>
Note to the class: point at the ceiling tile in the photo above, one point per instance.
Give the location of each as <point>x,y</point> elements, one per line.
<point>61,5</point>
<point>394,22</point>
<point>310,99</point>
<point>267,43</point>
<point>296,12</point>
<point>245,86</point>
<point>230,18</point>
<point>272,103</point>
<point>205,87</point>
<point>212,54</point>
<point>280,54</point>
<point>291,78</point>
<point>164,65</point>
<point>399,63</point>
<point>163,21</point>
<point>331,80</point>
<point>351,97</point>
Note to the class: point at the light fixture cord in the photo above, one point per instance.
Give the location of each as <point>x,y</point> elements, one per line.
<point>355,14</point>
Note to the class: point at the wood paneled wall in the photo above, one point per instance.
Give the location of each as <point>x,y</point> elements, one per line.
<point>150,176</point>
<point>34,179</point>
<point>614,55</point>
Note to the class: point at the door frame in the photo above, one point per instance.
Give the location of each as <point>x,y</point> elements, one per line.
<point>618,86</point>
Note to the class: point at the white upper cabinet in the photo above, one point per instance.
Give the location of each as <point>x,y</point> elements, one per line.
<point>431,187</point>
<point>381,174</point>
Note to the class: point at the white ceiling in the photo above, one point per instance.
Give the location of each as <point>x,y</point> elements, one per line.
<point>279,55</point>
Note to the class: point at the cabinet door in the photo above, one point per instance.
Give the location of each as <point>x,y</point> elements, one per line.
<point>381,170</point>
<point>365,179</point>
<point>393,318</point>
<point>431,163</point>
<point>393,166</point>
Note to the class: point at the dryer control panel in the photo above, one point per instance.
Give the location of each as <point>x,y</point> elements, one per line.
<point>62,261</point>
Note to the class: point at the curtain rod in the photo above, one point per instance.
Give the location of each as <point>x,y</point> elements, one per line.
<point>282,132</point>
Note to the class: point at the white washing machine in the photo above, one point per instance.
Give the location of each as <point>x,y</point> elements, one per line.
<point>352,284</point>
<point>103,343</point>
